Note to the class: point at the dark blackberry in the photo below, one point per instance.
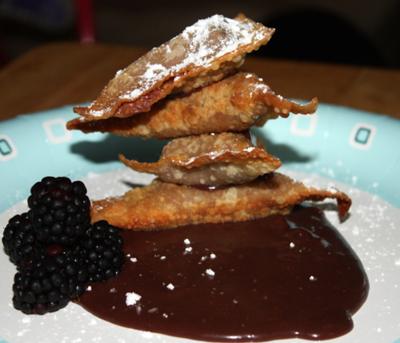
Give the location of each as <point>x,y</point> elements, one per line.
<point>56,249</point>
<point>102,248</point>
<point>49,283</point>
<point>19,240</point>
<point>59,210</point>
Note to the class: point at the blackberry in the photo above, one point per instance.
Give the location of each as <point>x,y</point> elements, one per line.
<point>49,283</point>
<point>56,249</point>
<point>19,240</point>
<point>59,210</point>
<point>102,248</point>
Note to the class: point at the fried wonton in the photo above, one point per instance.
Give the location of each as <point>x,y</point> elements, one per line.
<point>233,104</point>
<point>203,53</point>
<point>162,205</point>
<point>209,159</point>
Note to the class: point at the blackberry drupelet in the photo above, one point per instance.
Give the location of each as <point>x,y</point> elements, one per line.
<point>102,248</point>
<point>19,240</point>
<point>59,210</point>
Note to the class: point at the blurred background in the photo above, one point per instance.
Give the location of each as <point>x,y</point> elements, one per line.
<point>358,32</point>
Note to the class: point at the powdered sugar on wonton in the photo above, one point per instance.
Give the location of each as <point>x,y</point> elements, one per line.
<point>215,45</point>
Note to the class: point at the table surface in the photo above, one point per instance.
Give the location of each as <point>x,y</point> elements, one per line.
<point>69,73</point>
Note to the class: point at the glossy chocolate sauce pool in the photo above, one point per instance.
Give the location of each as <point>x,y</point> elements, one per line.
<point>278,277</point>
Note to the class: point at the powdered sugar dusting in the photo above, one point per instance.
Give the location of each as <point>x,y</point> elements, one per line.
<point>95,113</point>
<point>131,298</point>
<point>201,34</point>
<point>153,73</point>
<point>210,272</point>
<point>170,286</point>
<point>199,45</point>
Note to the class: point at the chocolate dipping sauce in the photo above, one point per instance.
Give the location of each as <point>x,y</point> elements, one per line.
<point>277,277</point>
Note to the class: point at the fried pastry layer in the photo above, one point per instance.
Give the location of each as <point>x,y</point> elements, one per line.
<point>203,53</point>
<point>162,205</point>
<point>233,104</point>
<point>209,159</point>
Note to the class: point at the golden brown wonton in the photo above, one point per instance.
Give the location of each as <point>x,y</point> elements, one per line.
<point>209,159</point>
<point>233,104</point>
<point>203,53</point>
<point>162,205</point>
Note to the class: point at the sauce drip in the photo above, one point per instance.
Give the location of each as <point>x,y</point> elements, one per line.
<point>272,278</point>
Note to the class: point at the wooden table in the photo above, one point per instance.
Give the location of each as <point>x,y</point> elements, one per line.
<point>66,73</point>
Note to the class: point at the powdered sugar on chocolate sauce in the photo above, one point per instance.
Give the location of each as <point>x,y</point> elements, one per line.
<point>132,298</point>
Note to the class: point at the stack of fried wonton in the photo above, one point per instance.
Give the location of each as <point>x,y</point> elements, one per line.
<point>192,91</point>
